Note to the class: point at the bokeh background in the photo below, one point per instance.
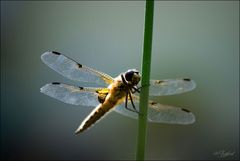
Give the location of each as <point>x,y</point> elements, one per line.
<point>198,39</point>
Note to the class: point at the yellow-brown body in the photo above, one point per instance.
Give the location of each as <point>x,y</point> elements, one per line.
<point>115,96</point>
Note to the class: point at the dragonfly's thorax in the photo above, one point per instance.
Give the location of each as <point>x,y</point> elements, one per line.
<point>121,85</point>
<point>117,91</point>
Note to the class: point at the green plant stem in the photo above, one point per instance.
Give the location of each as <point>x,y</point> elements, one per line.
<point>144,94</point>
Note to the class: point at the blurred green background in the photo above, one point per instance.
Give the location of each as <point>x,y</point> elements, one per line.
<point>199,40</point>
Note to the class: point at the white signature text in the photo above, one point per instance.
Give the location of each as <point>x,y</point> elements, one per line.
<point>223,153</point>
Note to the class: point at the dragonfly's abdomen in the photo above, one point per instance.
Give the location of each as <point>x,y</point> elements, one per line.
<point>114,97</point>
<point>95,115</point>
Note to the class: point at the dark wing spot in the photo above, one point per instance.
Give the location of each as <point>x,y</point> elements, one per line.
<point>185,110</point>
<point>79,65</point>
<point>56,83</point>
<point>159,81</point>
<point>57,53</point>
<point>187,79</point>
<point>153,103</point>
<point>81,88</point>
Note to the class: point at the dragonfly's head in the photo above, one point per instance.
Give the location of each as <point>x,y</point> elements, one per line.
<point>132,76</point>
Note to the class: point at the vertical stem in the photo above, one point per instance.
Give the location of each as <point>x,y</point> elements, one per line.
<point>144,94</point>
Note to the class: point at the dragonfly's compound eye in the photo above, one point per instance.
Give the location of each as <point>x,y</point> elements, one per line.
<point>136,78</point>
<point>129,75</point>
<point>132,76</point>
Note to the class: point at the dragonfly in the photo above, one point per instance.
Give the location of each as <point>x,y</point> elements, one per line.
<point>119,94</point>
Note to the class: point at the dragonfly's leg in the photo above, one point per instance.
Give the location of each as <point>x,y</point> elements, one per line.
<point>126,101</point>
<point>135,89</point>
<point>132,101</point>
<point>132,110</point>
<point>135,110</point>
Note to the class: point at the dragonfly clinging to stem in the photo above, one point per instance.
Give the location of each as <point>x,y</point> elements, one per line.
<point>114,94</point>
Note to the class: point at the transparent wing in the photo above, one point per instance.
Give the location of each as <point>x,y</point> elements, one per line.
<point>71,94</point>
<point>170,86</point>
<point>73,70</point>
<point>159,113</point>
